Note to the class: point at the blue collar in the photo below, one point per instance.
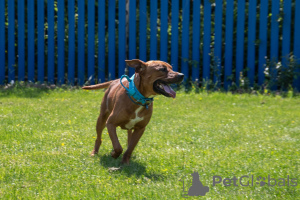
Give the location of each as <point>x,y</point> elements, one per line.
<point>132,91</point>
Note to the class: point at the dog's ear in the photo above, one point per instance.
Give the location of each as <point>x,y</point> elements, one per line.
<point>137,64</point>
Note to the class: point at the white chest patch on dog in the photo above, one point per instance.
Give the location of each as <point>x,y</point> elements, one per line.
<point>135,120</point>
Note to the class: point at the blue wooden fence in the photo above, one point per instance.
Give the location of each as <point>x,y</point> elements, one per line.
<point>74,41</point>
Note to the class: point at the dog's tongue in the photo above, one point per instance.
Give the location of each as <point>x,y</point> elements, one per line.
<point>169,90</point>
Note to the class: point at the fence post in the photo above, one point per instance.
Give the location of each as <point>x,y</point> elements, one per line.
<point>251,41</point>
<point>228,44</point>
<point>218,41</point>
<point>143,30</point>
<point>132,32</point>
<point>153,30</point>
<point>164,31</point>
<point>81,42</point>
<point>206,40</point>
<point>196,40</point>
<point>274,37</point>
<point>41,41</point>
<point>50,20</point>
<point>71,40</point>
<point>122,37</point>
<point>91,41</point>
<point>286,31</point>
<point>111,38</point>
<point>174,37</point>
<point>240,40</point>
<point>11,41</point>
<point>263,39</point>
<point>60,43</point>
<point>21,42</point>
<point>31,48</point>
<point>2,42</point>
<point>185,38</point>
<point>101,38</point>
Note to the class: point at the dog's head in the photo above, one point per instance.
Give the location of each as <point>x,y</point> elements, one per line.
<point>157,75</point>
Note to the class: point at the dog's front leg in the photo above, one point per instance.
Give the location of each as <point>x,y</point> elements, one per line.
<point>134,139</point>
<point>115,141</point>
<point>129,133</point>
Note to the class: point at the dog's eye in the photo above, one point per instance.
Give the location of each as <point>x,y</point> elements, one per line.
<point>163,69</point>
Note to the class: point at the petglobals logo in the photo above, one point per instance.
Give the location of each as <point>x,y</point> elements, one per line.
<point>193,184</point>
<point>245,181</point>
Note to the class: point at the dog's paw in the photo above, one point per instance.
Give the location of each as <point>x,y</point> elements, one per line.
<point>126,158</point>
<point>115,155</point>
<point>93,153</point>
<point>125,162</point>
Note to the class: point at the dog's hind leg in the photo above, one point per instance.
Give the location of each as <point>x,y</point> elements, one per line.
<point>134,139</point>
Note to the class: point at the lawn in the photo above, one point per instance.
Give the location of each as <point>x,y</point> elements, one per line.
<point>46,137</point>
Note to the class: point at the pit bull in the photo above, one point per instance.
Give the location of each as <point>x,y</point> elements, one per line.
<point>128,102</point>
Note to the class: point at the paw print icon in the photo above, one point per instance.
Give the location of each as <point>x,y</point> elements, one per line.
<point>261,181</point>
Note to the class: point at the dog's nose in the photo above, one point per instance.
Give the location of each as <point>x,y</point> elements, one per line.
<point>180,76</point>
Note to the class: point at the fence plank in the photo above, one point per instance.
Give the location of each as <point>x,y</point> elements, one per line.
<point>71,42</point>
<point>30,42</point>
<point>274,36</point>
<point>185,38</point>
<point>164,31</point>
<point>274,30</point>
<point>240,40</point>
<point>174,37</point>
<point>91,41</point>
<point>206,39</point>
<point>218,41</point>
<point>50,20</point>
<point>41,41</point>
<point>251,41</point>
<point>153,30</point>
<point>286,31</point>
<point>228,45</point>
<point>11,41</point>
<point>132,33</point>
<point>263,39</point>
<point>122,37</point>
<point>196,40</point>
<point>111,39</point>
<point>2,42</point>
<point>297,41</point>
<point>81,42</point>
<point>60,42</point>
<point>21,42</point>
<point>143,30</point>
<point>101,38</point>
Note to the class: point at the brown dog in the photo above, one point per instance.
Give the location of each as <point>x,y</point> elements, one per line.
<point>120,109</point>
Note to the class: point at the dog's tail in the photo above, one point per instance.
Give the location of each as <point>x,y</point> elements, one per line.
<point>98,86</point>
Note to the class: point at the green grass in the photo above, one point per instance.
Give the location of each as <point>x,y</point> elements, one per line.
<point>46,137</point>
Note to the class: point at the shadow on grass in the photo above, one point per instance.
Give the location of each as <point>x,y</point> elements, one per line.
<point>134,168</point>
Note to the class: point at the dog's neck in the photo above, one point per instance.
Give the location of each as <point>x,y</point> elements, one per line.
<point>142,88</point>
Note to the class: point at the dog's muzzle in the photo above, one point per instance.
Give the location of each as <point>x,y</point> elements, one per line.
<point>180,77</point>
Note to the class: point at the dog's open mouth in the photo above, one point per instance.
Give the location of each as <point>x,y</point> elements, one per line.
<point>163,88</point>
